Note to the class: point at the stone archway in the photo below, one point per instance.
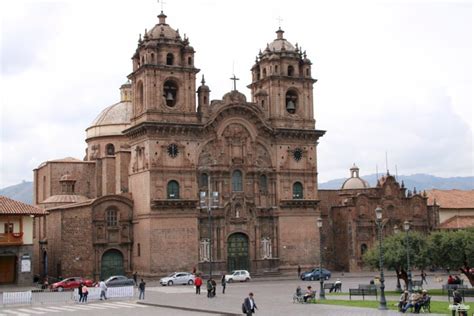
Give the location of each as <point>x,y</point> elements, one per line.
<point>238,252</point>
<point>111,264</point>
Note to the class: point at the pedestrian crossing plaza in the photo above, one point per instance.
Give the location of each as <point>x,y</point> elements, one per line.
<point>64,309</point>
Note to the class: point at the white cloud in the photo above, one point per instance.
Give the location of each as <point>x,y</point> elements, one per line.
<point>391,76</point>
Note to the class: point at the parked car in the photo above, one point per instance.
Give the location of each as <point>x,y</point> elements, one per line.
<point>119,280</point>
<point>178,278</point>
<point>315,274</point>
<point>71,283</point>
<point>238,275</point>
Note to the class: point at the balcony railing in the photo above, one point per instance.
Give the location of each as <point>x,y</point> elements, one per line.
<point>11,238</point>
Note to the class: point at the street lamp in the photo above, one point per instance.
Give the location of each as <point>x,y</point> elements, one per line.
<point>321,277</point>
<point>396,230</point>
<point>406,227</point>
<point>209,202</point>
<point>380,224</point>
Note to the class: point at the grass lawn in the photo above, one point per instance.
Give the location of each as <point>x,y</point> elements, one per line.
<point>432,292</point>
<point>436,307</point>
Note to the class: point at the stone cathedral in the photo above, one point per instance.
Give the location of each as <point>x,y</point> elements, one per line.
<point>133,202</point>
<point>175,181</point>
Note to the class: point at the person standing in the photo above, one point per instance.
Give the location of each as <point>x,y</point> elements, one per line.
<point>423,277</point>
<point>214,286</point>
<point>223,283</point>
<point>85,292</point>
<point>141,288</point>
<point>209,288</point>
<point>299,271</point>
<point>103,290</point>
<point>79,291</point>
<point>198,283</point>
<point>249,306</point>
<point>135,276</point>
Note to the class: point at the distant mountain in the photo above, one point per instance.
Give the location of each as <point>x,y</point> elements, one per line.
<point>419,181</point>
<point>22,192</point>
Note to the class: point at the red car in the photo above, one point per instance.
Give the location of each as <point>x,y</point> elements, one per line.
<point>71,283</point>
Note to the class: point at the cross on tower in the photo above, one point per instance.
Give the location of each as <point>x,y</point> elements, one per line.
<point>279,19</point>
<point>162,4</point>
<point>234,78</point>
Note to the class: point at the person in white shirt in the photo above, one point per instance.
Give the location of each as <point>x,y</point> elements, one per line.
<point>103,290</point>
<point>249,305</point>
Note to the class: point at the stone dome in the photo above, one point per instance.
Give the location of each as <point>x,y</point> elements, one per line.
<point>113,119</point>
<point>162,30</point>
<point>355,182</point>
<point>280,44</point>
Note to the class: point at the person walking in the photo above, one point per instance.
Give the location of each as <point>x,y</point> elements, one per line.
<point>249,306</point>
<point>103,289</point>
<point>85,292</point>
<point>79,291</point>
<point>198,283</point>
<point>423,277</point>
<point>209,288</point>
<point>214,286</point>
<point>223,283</point>
<point>141,288</point>
<point>135,276</point>
<point>299,271</point>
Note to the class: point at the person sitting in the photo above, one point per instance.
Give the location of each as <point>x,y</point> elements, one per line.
<point>414,299</point>
<point>310,294</point>
<point>403,300</point>
<point>457,300</point>
<point>425,301</point>
<point>450,279</point>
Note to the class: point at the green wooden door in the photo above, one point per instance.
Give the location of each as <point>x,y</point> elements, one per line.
<point>238,252</point>
<point>112,264</point>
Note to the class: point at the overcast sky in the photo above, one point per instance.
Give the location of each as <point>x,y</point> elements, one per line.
<point>393,76</point>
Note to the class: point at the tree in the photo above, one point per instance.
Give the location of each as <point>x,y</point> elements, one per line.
<point>454,250</point>
<point>395,254</point>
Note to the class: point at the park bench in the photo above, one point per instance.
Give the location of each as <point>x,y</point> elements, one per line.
<point>328,286</point>
<point>417,284</point>
<point>464,292</point>
<point>451,287</point>
<point>363,290</point>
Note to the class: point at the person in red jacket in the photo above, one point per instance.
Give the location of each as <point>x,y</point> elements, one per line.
<point>198,283</point>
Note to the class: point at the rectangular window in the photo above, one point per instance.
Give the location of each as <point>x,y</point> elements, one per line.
<point>8,228</point>
<point>138,250</point>
<point>111,218</point>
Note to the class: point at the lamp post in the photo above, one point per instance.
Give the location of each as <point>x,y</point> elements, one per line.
<point>406,227</point>
<point>380,224</point>
<point>321,277</point>
<point>209,202</point>
<point>396,230</point>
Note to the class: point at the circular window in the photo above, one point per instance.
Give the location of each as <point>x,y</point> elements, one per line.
<point>297,154</point>
<point>173,150</point>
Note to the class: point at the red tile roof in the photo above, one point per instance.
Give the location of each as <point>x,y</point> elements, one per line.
<point>451,198</point>
<point>457,222</point>
<point>9,206</point>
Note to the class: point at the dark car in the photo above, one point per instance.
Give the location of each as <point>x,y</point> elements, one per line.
<point>315,275</point>
<point>119,280</point>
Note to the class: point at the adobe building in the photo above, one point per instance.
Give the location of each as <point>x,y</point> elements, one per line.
<point>16,241</point>
<point>350,216</point>
<point>456,208</point>
<point>133,204</point>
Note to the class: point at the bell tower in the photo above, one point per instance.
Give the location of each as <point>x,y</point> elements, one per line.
<point>282,84</point>
<point>163,77</point>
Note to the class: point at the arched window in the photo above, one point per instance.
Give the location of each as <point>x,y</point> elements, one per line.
<point>263,183</point>
<point>276,69</point>
<point>111,217</point>
<point>110,149</point>
<point>170,92</point>
<point>169,59</point>
<point>190,61</point>
<point>173,190</point>
<point>237,181</point>
<point>291,101</point>
<point>363,249</point>
<point>297,190</point>
<point>203,179</point>
<point>264,72</point>
<point>291,71</point>
<point>307,72</point>
<point>139,96</point>
<point>257,71</point>
<point>152,58</point>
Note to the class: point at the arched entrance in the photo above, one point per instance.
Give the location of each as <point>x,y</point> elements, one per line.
<point>112,264</point>
<point>238,252</point>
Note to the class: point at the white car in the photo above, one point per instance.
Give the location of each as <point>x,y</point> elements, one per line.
<point>238,275</point>
<point>178,278</point>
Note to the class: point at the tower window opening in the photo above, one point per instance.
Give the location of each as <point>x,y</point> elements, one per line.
<point>307,72</point>
<point>169,59</point>
<point>170,91</point>
<point>276,69</point>
<point>257,71</point>
<point>143,60</point>
<point>110,150</point>
<point>262,103</point>
<point>139,96</point>
<point>291,101</point>
<point>190,61</point>
<point>152,58</point>
<point>297,190</point>
<point>173,190</point>
<point>264,72</point>
<point>291,71</point>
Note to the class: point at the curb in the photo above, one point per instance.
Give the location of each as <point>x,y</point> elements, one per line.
<point>189,309</point>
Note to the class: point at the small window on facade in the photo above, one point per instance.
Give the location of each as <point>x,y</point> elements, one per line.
<point>258,73</point>
<point>170,92</point>
<point>291,71</point>
<point>138,250</point>
<point>237,181</point>
<point>8,228</point>
<point>276,69</point>
<point>140,96</point>
<point>264,72</point>
<point>203,180</point>
<point>152,58</point>
<point>169,59</point>
<point>111,218</point>
<point>262,103</point>
<point>143,60</point>
<point>297,190</point>
<point>110,149</point>
<point>307,72</point>
<point>190,61</point>
<point>173,190</point>
<point>263,183</point>
<point>291,101</point>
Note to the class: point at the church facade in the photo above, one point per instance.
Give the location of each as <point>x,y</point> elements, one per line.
<point>171,181</point>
